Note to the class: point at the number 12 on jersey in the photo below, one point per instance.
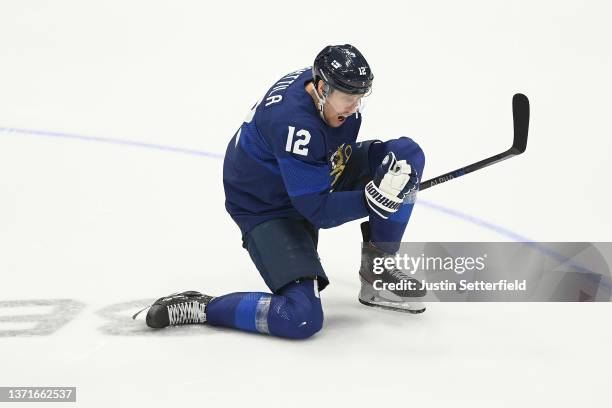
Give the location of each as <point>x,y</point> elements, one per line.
<point>299,146</point>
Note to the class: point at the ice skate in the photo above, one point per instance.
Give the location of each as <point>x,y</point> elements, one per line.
<point>177,309</point>
<point>392,289</point>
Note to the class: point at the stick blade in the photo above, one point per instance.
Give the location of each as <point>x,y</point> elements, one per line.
<point>520,115</point>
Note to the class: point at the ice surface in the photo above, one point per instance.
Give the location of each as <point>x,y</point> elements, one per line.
<point>97,230</point>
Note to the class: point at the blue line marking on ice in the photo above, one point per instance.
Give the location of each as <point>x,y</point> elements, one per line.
<point>437,207</point>
<point>124,142</point>
<point>477,221</point>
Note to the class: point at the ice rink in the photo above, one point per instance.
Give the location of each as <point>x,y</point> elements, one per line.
<point>114,117</point>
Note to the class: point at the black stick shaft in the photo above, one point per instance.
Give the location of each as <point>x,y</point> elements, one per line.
<point>467,169</point>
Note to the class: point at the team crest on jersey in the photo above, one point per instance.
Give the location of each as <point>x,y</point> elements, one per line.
<point>338,160</point>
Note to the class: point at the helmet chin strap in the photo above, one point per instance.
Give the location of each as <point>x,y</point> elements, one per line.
<point>321,102</point>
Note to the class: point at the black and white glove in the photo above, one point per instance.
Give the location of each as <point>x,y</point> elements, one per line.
<point>392,182</point>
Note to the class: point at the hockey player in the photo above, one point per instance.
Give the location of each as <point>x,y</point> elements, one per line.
<point>292,168</point>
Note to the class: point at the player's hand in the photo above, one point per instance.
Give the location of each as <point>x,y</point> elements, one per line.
<point>392,182</point>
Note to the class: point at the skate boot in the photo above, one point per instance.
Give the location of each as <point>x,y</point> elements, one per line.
<point>176,309</point>
<point>390,289</point>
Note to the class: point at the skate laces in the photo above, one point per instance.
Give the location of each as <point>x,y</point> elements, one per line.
<point>187,312</point>
<point>396,273</point>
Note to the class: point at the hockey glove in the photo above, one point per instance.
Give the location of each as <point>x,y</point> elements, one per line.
<point>392,182</point>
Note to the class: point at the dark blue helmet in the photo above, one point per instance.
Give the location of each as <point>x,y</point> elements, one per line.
<point>344,68</point>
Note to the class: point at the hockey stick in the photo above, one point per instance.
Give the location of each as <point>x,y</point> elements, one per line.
<point>520,115</point>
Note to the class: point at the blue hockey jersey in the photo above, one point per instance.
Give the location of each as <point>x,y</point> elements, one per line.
<point>277,163</point>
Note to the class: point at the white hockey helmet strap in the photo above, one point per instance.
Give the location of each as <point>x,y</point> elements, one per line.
<point>321,99</point>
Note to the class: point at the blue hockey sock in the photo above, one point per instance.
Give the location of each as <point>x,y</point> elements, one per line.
<point>295,312</point>
<point>387,233</point>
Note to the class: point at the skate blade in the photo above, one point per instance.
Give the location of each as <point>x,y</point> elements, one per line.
<point>392,308</point>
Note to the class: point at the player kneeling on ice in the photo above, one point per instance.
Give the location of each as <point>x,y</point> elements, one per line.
<point>293,167</point>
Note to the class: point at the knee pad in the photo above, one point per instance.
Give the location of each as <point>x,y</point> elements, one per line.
<point>296,313</point>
